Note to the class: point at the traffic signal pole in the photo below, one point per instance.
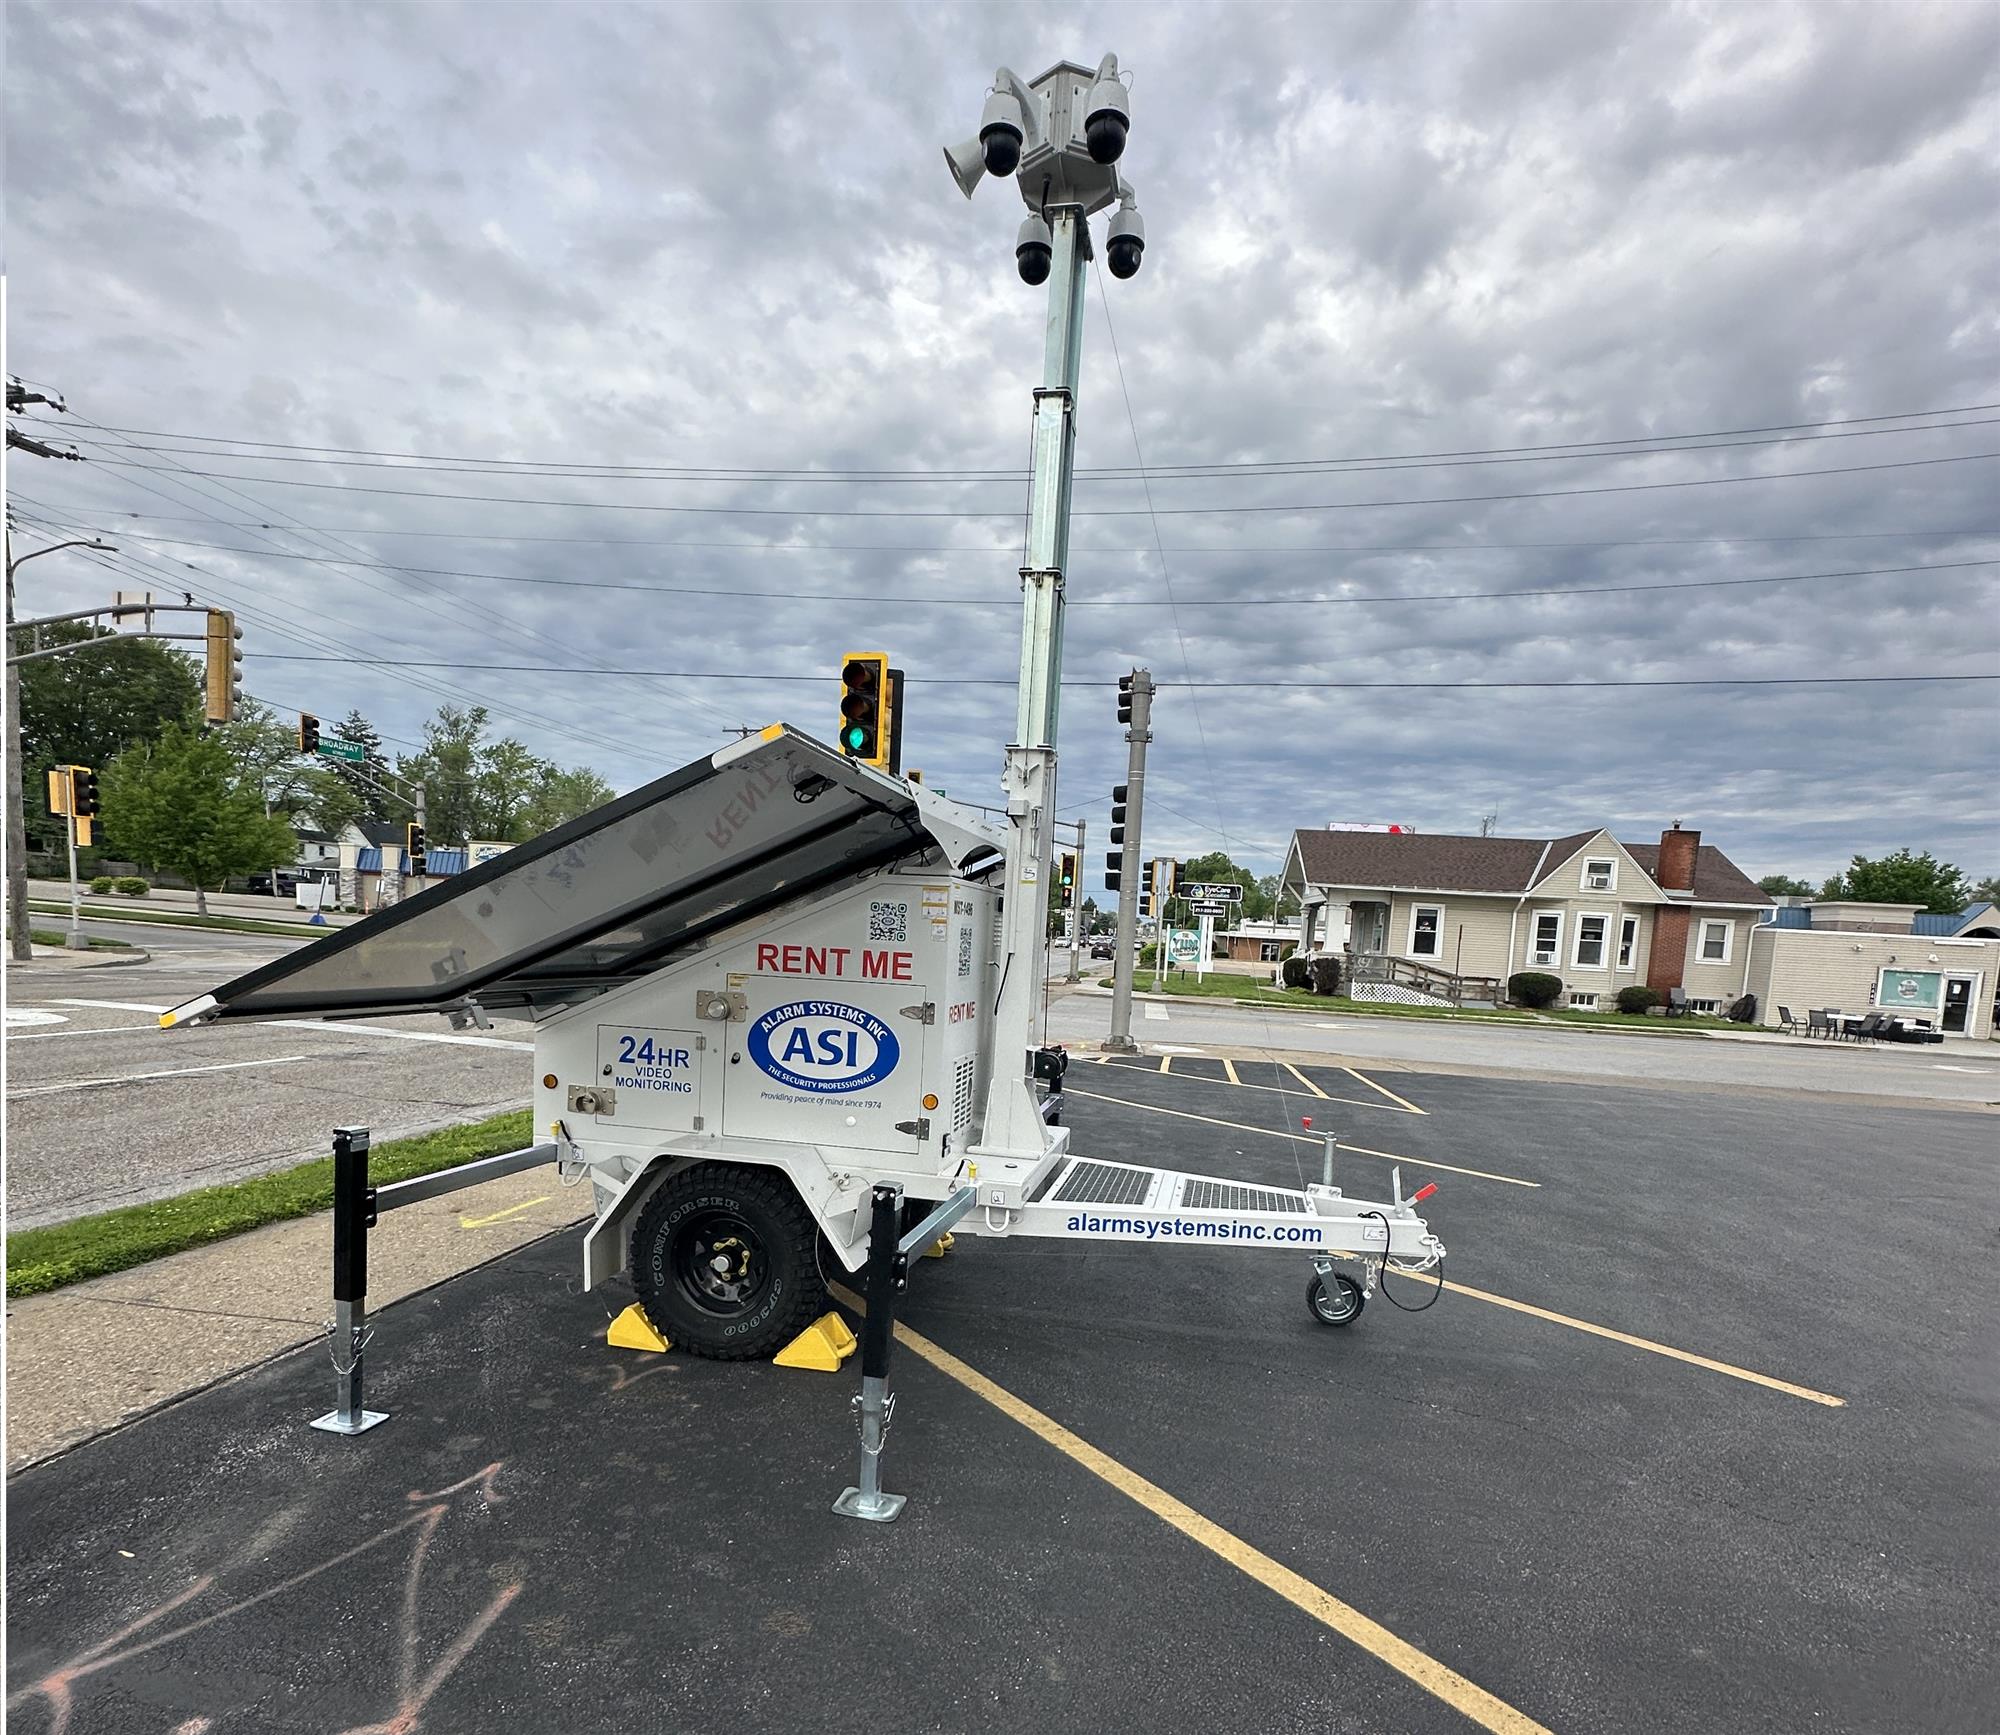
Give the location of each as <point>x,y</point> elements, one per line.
<point>1120,1040</point>
<point>1076,934</point>
<point>1012,1127</point>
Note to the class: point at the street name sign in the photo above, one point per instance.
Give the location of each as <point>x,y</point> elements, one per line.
<point>351,751</point>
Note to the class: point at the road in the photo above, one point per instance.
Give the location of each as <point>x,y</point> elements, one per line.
<point>104,1108</point>
<point>1962,1074</point>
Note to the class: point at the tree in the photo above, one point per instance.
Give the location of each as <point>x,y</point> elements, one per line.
<point>506,782</point>
<point>87,707</point>
<point>1904,878</point>
<point>1784,886</point>
<point>1987,891</point>
<point>448,768</point>
<point>179,805</point>
<point>560,796</point>
<point>368,799</point>
<point>329,802</point>
<point>1217,869</point>
<point>266,755</point>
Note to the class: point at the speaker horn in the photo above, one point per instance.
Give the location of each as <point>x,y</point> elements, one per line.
<point>967,163</point>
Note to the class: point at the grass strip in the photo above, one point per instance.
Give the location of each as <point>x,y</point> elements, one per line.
<point>46,1258</point>
<point>186,919</point>
<point>1248,990</point>
<point>48,937</point>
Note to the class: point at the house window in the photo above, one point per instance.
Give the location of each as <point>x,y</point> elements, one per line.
<point>1601,874</point>
<point>1584,1002</point>
<point>1267,951</point>
<point>1715,937</point>
<point>1628,941</point>
<point>1427,931</point>
<point>1711,1007</point>
<point>1592,933</point>
<point>1546,945</point>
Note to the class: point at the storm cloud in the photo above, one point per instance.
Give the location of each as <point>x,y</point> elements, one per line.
<point>703,237</point>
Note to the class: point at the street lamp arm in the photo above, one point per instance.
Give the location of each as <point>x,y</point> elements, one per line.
<point>74,542</point>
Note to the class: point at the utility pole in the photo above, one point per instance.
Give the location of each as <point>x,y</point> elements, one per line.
<point>1076,934</point>
<point>1137,692</point>
<point>19,948</point>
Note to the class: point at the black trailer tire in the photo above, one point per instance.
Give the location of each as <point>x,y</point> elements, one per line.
<point>1340,1307</point>
<point>725,1258</point>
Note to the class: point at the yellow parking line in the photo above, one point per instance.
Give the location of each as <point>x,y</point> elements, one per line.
<point>1229,1070</point>
<point>502,1216</point>
<point>1646,1343</point>
<point>1301,1138</point>
<point>1466,1697</point>
<point>1301,1077</point>
<point>1384,1089</point>
<point>1166,1063</point>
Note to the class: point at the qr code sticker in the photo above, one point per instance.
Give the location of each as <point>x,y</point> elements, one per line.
<point>889,922</point>
<point>965,951</point>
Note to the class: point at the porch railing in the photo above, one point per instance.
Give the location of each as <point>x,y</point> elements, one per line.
<point>1425,978</point>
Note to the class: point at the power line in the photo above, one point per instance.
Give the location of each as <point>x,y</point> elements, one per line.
<point>879,599</point>
<point>1844,427</point>
<point>1201,686</point>
<point>1090,512</point>
<point>1012,550</point>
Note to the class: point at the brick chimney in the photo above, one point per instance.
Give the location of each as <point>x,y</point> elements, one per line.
<point>1666,961</point>
<point>1677,850</point>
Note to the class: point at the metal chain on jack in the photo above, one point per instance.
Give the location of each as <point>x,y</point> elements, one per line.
<point>856,1403</point>
<point>359,1350</point>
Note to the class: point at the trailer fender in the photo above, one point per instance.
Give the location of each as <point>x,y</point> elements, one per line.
<point>839,1206</point>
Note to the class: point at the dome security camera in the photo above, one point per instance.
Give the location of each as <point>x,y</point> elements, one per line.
<point>1125,241</point>
<point>1107,116</point>
<point>1034,251</point>
<point>1001,133</point>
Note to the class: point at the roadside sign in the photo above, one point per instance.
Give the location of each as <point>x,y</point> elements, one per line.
<point>352,751</point>
<point>1216,894</point>
<point>1209,907</point>
<point>1183,945</point>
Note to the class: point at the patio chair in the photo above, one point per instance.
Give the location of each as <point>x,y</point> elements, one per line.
<point>1818,1024</point>
<point>1873,1028</point>
<point>1790,1025</point>
<point>1677,1002</point>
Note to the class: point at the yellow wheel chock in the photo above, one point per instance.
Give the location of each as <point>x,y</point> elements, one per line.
<point>633,1330</point>
<point>941,1246</point>
<point>823,1345</point>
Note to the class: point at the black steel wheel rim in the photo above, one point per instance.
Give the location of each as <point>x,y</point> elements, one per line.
<point>718,1263</point>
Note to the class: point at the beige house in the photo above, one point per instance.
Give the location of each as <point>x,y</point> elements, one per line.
<point>1601,914</point>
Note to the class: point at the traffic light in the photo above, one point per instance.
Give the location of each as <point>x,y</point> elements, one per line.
<point>308,732</point>
<point>414,841</point>
<point>60,789</point>
<point>1118,792</point>
<point>222,684</point>
<point>82,791</point>
<point>866,699</point>
<point>1147,885</point>
<point>1066,877</point>
<point>1124,698</point>
<point>1113,863</point>
<point>1167,876</point>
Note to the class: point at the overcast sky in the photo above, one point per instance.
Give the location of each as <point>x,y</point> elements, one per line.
<point>724,235</point>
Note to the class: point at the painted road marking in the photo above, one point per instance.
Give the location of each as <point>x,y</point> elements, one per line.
<point>1166,1063</point>
<point>1384,1089</point>
<point>1308,1083</point>
<point>141,1077</point>
<point>1152,1011</point>
<point>502,1216</point>
<point>25,1015</point>
<point>1304,1139</point>
<point>1977,1071</point>
<point>1646,1343</point>
<point>1462,1695</point>
<point>104,1030</point>
<point>114,1005</point>
<point>349,1029</point>
<point>1229,1071</point>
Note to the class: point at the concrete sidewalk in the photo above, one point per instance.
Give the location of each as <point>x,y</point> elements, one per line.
<point>85,1358</point>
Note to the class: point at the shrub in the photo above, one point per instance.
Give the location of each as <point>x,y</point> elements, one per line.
<point>1638,999</point>
<point>132,886</point>
<point>102,884</point>
<point>1296,972</point>
<point>1325,975</point>
<point>1534,988</point>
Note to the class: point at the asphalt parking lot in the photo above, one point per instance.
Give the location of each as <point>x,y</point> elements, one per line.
<point>1699,1438</point>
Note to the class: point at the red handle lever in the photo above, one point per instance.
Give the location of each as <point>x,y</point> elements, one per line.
<point>1423,1192</point>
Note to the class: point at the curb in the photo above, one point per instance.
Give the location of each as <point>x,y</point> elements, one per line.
<point>213,925</point>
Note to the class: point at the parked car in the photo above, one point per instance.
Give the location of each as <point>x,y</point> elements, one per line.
<point>1104,948</point>
<point>260,884</point>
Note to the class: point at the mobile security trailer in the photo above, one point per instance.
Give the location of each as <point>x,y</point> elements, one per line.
<point>762,990</point>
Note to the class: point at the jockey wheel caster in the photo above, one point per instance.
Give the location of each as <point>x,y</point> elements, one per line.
<point>1334,1300</point>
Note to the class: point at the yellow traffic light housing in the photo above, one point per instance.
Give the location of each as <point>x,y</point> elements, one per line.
<point>867,701</point>
<point>222,674</point>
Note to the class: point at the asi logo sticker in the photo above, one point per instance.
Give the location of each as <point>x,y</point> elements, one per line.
<point>824,1046</point>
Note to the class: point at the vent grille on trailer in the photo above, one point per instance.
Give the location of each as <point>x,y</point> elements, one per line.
<point>1104,1184</point>
<point>1199,1195</point>
<point>961,1095</point>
